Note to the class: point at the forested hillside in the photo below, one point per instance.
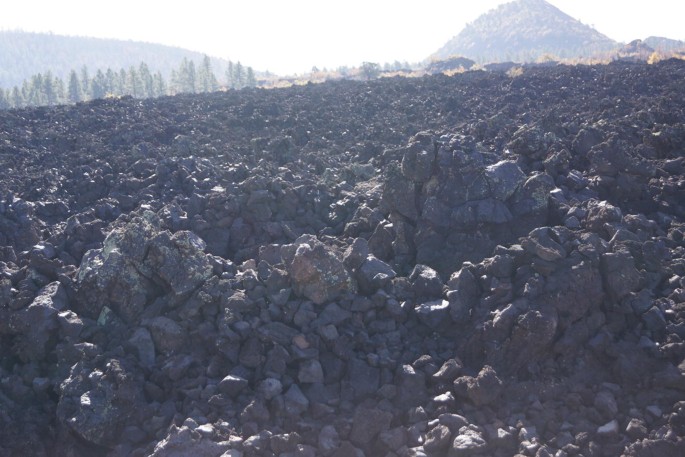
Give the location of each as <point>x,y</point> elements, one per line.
<point>46,89</point>
<point>24,54</point>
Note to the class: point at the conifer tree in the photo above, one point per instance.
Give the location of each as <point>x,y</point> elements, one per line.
<point>85,83</point>
<point>250,80</point>
<point>230,81</point>
<point>112,85</point>
<point>159,86</point>
<point>48,89</point>
<point>239,75</point>
<point>146,80</point>
<point>59,91</point>
<point>74,92</point>
<point>98,85</point>
<point>4,99</point>
<point>16,98</point>
<point>205,76</point>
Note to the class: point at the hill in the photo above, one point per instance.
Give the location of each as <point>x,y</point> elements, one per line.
<point>23,54</point>
<point>661,44</point>
<point>525,31</point>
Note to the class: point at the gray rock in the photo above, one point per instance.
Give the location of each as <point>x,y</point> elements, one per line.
<point>295,401</point>
<point>399,193</point>
<point>364,379</point>
<point>417,161</point>
<point>467,443</point>
<point>356,254</point>
<point>411,386</point>
<point>232,385</point>
<point>434,314</point>
<point>605,403</point>
<point>269,388</point>
<point>608,430</point>
<point>373,274</point>
<point>328,439</point>
<point>453,421</point>
<point>167,335</point>
<point>137,259</point>
<point>449,370</point>
<point>619,274</point>
<point>142,341</point>
<point>37,324</point>
<point>437,439</point>
<point>463,294</point>
<point>425,282</point>
<point>367,424</point>
<point>310,372</point>
<point>482,390</point>
<point>96,402</point>
<point>505,178</point>
<point>184,441</point>
<point>317,273</point>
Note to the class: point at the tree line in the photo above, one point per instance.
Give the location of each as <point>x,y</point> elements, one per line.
<point>46,89</point>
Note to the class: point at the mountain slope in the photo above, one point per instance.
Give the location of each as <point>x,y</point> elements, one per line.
<point>23,54</point>
<point>662,44</point>
<point>523,31</point>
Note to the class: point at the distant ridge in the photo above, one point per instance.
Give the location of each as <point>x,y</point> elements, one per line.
<point>23,54</point>
<point>525,31</point>
<point>661,44</point>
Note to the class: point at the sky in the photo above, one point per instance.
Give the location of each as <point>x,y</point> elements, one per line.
<point>293,36</point>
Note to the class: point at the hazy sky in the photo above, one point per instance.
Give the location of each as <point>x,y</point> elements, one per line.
<point>292,36</point>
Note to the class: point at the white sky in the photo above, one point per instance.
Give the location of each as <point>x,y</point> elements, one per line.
<point>292,36</point>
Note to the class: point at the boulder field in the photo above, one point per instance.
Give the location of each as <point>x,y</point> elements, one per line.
<point>474,265</point>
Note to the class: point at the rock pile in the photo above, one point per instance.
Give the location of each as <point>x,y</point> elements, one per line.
<point>478,265</point>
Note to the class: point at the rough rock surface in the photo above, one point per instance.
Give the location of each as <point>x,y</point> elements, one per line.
<point>477,265</point>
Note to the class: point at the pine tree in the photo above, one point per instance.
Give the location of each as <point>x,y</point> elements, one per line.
<point>239,75</point>
<point>74,92</point>
<point>59,91</point>
<point>98,85</point>
<point>250,80</point>
<point>134,84</point>
<point>230,81</point>
<point>146,80</point>
<point>159,86</point>
<point>16,98</point>
<point>123,83</point>
<point>205,76</point>
<point>4,99</point>
<point>48,89</point>
<point>85,83</point>
<point>112,85</point>
<point>35,91</point>
<point>175,83</point>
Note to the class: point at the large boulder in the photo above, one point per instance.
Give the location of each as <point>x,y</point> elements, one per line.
<point>317,272</point>
<point>98,400</point>
<point>137,263</point>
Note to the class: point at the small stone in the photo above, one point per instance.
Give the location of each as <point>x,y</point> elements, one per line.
<point>454,421</point>
<point>368,423</point>
<point>269,388</point>
<point>608,430</point>
<point>437,439</point>
<point>467,443</point>
<point>636,429</point>
<point>232,385</point>
<point>655,411</point>
<point>310,372</point>
<point>295,401</point>
<point>449,370</point>
<point>434,314</point>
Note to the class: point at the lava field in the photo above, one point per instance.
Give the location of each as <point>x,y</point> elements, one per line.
<point>474,265</point>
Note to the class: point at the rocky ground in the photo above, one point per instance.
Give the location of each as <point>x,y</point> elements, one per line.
<point>477,265</point>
